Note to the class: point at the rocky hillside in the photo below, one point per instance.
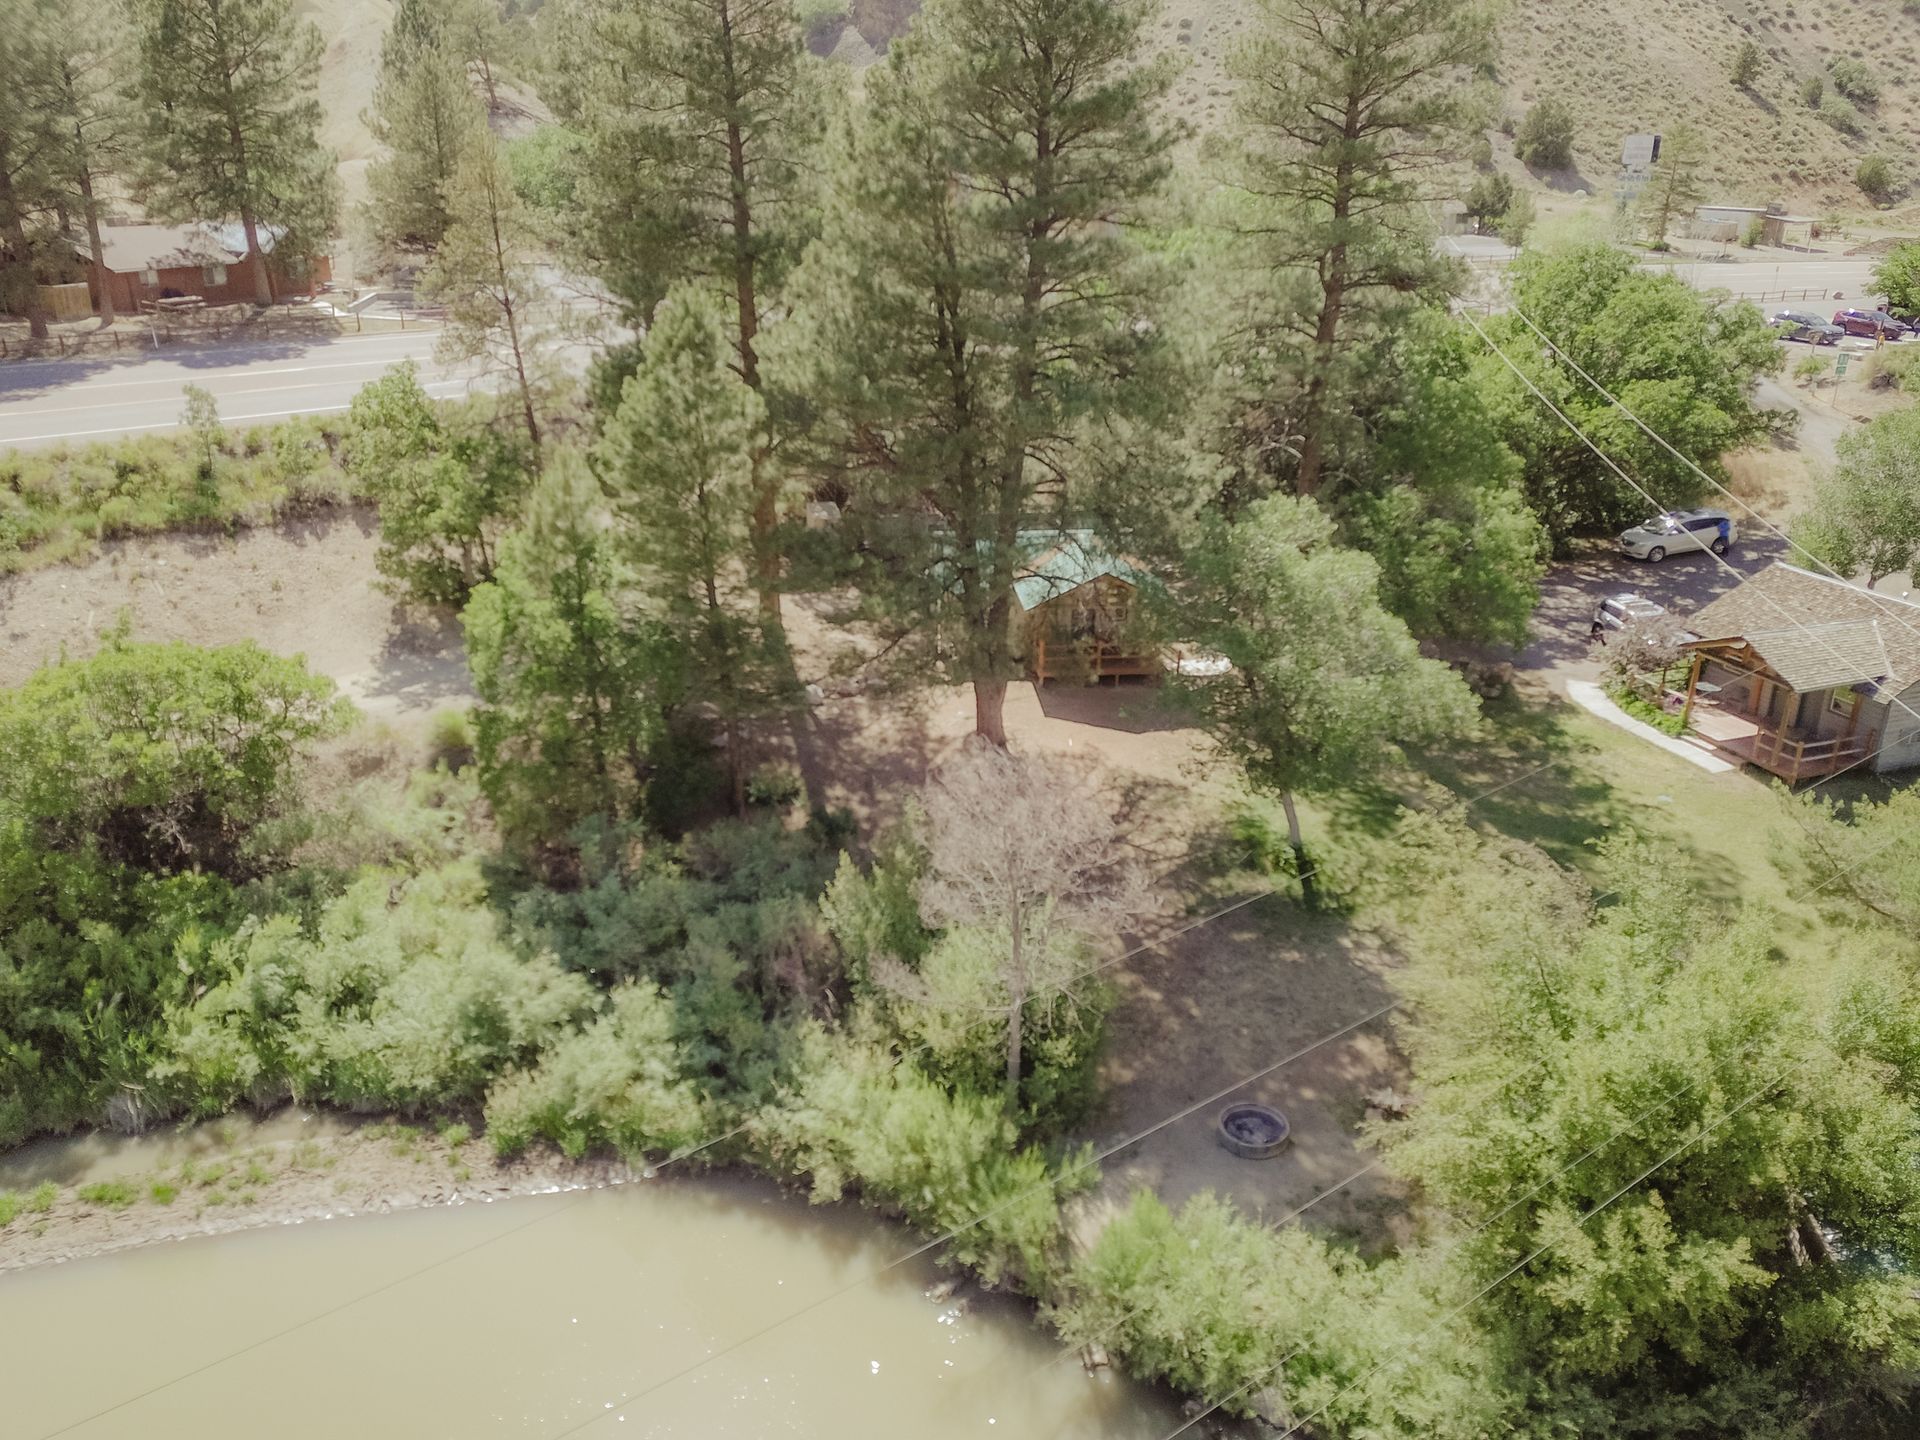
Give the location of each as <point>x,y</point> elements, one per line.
<point>1623,65</point>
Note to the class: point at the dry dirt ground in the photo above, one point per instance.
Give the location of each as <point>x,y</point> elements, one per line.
<point>301,588</point>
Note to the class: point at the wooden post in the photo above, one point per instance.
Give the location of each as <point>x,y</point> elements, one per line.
<point>1693,682</point>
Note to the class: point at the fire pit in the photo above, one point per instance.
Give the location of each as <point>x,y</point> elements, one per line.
<point>1253,1132</point>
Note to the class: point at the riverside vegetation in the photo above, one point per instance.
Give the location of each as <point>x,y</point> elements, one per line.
<point>970,305</point>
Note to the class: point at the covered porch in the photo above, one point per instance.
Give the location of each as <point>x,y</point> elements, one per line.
<point>1742,708</point>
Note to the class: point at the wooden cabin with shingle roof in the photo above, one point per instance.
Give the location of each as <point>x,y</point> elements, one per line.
<point>1804,675</point>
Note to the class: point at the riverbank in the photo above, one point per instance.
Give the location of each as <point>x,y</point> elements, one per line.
<point>341,1169</point>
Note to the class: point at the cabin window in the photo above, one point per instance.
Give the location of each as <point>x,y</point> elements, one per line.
<point>1843,700</point>
<point>150,276</point>
<point>213,275</point>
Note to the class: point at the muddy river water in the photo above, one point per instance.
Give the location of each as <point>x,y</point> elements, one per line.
<point>583,1313</point>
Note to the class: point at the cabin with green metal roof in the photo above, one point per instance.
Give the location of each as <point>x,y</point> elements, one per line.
<point>1077,604</point>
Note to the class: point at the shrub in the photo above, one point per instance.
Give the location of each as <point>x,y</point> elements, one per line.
<point>1811,369</point>
<point>619,1082</point>
<point>853,1119</point>
<point>1811,90</point>
<point>111,1194</point>
<point>875,914</point>
<point>1754,233</point>
<point>775,786</point>
<point>9,1207</point>
<point>450,739</point>
<point>163,1193</point>
<point>1840,114</point>
<point>1853,80</point>
<point>1874,176</point>
<point>1545,138</point>
<point>405,998</point>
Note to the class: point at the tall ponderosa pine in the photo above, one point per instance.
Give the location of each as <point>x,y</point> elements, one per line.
<point>31,144</point>
<point>677,458</point>
<point>1676,186</point>
<point>574,685</point>
<point>698,114</point>
<point>976,308</point>
<point>95,121</point>
<point>230,123</point>
<point>426,115</point>
<point>1347,110</point>
<point>484,273</point>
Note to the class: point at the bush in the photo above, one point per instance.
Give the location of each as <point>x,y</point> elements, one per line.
<point>1840,114</point>
<point>1853,80</point>
<point>854,1119</point>
<point>1667,722</point>
<point>619,1082</point>
<point>1545,138</point>
<point>450,739</point>
<point>110,1194</point>
<point>1811,90</point>
<point>406,998</point>
<point>1811,369</point>
<point>775,786</point>
<point>1874,176</point>
<point>1754,233</point>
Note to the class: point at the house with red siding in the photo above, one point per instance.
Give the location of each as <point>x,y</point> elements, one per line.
<point>146,263</point>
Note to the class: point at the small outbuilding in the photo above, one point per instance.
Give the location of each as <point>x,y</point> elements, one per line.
<point>1078,610</point>
<point>1730,222</point>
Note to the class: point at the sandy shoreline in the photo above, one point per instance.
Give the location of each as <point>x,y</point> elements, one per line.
<point>372,1169</point>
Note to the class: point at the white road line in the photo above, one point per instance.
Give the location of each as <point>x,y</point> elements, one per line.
<point>225,419</point>
<point>6,414</point>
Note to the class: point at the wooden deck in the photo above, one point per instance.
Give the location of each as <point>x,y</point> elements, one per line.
<point>1792,758</point>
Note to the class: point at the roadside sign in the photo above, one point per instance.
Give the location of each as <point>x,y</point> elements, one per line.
<point>1840,365</point>
<point>1639,152</point>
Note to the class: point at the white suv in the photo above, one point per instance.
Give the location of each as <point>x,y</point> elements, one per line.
<point>1679,530</point>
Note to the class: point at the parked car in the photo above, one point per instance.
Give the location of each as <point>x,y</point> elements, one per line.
<point>1679,530</point>
<point>1798,325</point>
<point>1872,323</point>
<point>1616,612</point>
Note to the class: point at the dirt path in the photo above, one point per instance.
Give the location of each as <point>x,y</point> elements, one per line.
<point>301,588</point>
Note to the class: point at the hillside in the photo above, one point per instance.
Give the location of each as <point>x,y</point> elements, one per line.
<point>1623,65</point>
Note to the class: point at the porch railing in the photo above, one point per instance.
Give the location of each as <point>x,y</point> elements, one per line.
<point>1792,759</point>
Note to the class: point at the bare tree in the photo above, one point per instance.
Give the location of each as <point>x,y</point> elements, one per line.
<point>1027,855</point>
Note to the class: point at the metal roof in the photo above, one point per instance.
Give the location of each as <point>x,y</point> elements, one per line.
<point>1061,562</point>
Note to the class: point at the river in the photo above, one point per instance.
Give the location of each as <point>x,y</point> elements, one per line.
<point>585,1313</point>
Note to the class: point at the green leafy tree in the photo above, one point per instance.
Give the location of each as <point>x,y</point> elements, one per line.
<point>484,273</point>
<point>230,124</point>
<point>1863,858</point>
<point>1853,80</point>
<point>1865,516</point>
<point>164,756</point>
<point>1347,113</point>
<point>1676,186</point>
<point>1897,276</point>
<point>575,687</point>
<point>1545,138</point>
<point>974,330</point>
<point>425,114</point>
<point>1326,685</point>
<point>677,459</point>
<point>1744,68</point>
<point>201,417</point>
<point>1517,220</point>
<point>1874,176</point>
<point>700,119</point>
<point>1683,362</point>
<point>447,487</point>
<point>1755,1157</point>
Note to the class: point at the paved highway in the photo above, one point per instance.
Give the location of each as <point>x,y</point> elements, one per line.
<point>42,402</point>
<point>1740,272</point>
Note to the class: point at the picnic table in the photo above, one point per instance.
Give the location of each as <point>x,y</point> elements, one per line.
<point>172,303</point>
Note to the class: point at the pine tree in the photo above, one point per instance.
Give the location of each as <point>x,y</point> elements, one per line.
<point>574,686</point>
<point>1676,186</point>
<point>1347,111</point>
<point>484,274</point>
<point>30,157</point>
<point>425,114</point>
<point>976,307</point>
<point>677,459</point>
<point>699,117</point>
<point>95,122</point>
<point>230,122</point>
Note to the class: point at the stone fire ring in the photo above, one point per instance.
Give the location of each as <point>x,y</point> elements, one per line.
<point>1253,1132</point>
